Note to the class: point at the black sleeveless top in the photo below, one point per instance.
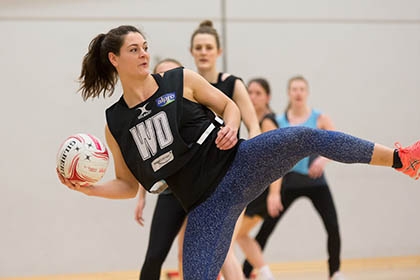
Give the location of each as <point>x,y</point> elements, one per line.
<point>272,117</point>
<point>227,86</point>
<point>158,139</point>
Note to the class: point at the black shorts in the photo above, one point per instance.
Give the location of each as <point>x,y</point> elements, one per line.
<point>258,206</point>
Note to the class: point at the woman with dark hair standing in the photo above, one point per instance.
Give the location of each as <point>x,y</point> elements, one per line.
<point>161,129</point>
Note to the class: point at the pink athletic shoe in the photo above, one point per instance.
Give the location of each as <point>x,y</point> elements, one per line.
<point>410,159</point>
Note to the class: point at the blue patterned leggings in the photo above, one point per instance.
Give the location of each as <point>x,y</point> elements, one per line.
<point>259,161</point>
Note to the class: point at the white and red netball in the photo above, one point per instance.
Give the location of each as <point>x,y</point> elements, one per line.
<point>83,159</point>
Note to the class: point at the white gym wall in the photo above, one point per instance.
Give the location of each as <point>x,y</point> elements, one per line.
<point>362,61</point>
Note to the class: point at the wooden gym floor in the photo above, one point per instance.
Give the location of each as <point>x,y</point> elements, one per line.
<point>392,268</point>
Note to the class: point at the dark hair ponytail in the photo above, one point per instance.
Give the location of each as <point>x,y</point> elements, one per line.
<point>98,75</point>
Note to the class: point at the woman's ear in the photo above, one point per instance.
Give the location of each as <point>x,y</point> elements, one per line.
<point>219,52</point>
<point>113,59</point>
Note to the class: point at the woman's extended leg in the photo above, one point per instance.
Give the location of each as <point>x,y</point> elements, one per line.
<point>258,162</point>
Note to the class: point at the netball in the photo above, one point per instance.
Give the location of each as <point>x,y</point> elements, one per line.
<point>83,159</point>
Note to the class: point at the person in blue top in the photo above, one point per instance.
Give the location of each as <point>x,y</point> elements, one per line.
<point>164,128</point>
<point>306,178</point>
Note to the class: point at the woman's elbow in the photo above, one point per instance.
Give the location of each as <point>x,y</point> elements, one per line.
<point>132,194</point>
<point>133,190</point>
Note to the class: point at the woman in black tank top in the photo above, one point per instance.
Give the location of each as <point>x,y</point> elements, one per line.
<point>149,114</point>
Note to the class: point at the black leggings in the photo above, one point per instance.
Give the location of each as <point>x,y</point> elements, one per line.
<point>322,200</point>
<point>166,223</point>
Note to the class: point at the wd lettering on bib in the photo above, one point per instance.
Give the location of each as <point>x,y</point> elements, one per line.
<point>152,134</point>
